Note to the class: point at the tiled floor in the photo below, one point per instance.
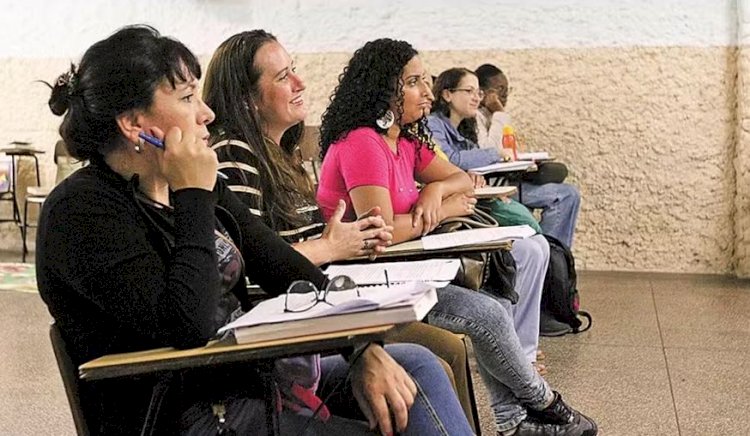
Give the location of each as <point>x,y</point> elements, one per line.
<point>667,356</point>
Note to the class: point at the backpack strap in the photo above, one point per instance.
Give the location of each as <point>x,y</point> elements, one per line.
<point>586,315</point>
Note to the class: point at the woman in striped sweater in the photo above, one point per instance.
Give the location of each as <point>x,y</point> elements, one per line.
<point>252,85</point>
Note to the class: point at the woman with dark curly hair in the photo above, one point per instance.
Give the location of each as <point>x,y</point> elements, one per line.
<point>375,147</point>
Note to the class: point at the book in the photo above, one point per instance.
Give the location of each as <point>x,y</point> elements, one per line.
<point>504,167</point>
<point>539,155</point>
<point>344,310</point>
<point>475,236</point>
<point>494,191</point>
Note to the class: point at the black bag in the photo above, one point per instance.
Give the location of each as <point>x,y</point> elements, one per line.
<point>559,295</point>
<point>495,271</point>
<point>547,172</point>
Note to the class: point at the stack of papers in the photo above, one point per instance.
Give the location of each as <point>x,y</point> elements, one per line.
<point>476,236</point>
<point>494,191</point>
<point>539,155</point>
<point>376,305</point>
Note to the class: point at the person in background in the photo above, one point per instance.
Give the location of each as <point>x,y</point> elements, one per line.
<point>456,102</point>
<point>255,135</point>
<point>375,146</point>
<point>559,202</point>
<point>143,248</point>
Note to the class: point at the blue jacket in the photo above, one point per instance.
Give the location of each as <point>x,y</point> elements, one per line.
<point>462,152</point>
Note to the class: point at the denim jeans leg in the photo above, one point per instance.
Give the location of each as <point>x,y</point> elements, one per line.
<point>559,203</point>
<point>436,410</point>
<point>509,378</point>
<point>532,257</point>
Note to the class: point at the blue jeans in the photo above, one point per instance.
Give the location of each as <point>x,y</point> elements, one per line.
<point>532,258</point>
<point>436,410</point>
<point>511,382</point>
<point>559,203</point>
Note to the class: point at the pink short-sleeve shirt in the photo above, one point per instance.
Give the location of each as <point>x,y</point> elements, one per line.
<point>363,158</point>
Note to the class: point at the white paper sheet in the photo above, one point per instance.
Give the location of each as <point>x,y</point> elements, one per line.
<point>421,270</point>
<point>475,236</point>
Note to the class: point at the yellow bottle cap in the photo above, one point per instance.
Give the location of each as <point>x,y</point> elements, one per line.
<point>508,130</point>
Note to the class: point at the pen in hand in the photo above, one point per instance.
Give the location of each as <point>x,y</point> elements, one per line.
<point>158,143</point>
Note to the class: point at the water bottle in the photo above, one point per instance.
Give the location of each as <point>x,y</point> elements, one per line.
<point>509,140</point>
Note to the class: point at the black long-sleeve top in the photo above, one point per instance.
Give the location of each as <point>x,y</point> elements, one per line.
<point>117,280</point>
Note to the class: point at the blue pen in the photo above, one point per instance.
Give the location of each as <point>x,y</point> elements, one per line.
<point>158,143</point>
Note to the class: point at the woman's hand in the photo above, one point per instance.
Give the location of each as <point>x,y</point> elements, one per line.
<point>427,208</point>
<point>187,161</point>
<point>458,204</point>
<point>492,101</point>
<point>382,388</point>
<point>368,236</point>
<point>478,180</point>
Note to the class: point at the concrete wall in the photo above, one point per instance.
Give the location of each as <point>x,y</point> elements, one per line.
<point>639,98</point>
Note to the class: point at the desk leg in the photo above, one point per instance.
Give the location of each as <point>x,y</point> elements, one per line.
<point>271,394</point>
<point>154,407</point>
<point>13,188</point>
<point>36,170</point>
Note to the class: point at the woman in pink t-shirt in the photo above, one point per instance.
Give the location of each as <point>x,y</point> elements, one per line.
<point>374,142</point>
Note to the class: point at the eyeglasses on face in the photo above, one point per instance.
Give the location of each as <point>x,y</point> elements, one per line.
<point>303,295</point>
<point>501,90</point>
<point>471,91</point>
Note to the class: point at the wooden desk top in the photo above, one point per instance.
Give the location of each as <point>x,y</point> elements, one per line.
<point>167,359</point>
<point>21,151</point>
<point>414,250</point>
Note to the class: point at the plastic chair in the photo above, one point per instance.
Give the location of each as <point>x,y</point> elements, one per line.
<point>35,195</point>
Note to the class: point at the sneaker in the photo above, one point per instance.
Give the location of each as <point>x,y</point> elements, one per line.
<point>557,419</point>
<point>549,326</point>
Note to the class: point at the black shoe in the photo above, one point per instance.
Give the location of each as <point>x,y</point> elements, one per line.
<point>549,326</point>
<point>557,419</point>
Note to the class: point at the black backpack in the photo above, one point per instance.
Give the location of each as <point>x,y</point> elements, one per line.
<point>560,296</point>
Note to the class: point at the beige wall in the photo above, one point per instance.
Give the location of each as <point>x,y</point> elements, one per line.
<point>648,135</point>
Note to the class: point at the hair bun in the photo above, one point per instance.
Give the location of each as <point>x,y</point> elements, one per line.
<point>62,90</point>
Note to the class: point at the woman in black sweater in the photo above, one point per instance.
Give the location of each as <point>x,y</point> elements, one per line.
<point>143,248</point>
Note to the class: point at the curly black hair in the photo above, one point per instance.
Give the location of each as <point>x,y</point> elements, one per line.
<point>367,86</point>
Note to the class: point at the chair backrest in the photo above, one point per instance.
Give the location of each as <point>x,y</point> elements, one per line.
<point>309,151</point>
<point>66,164</point>
<point>72,383</point>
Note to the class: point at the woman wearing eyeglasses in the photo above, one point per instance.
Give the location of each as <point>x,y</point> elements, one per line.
<point>457,96</point>
<point>376,147</point>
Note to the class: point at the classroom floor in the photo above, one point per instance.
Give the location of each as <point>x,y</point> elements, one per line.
<point>668,355</point>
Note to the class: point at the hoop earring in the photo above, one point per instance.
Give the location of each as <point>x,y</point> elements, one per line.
<point>386,120</point>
